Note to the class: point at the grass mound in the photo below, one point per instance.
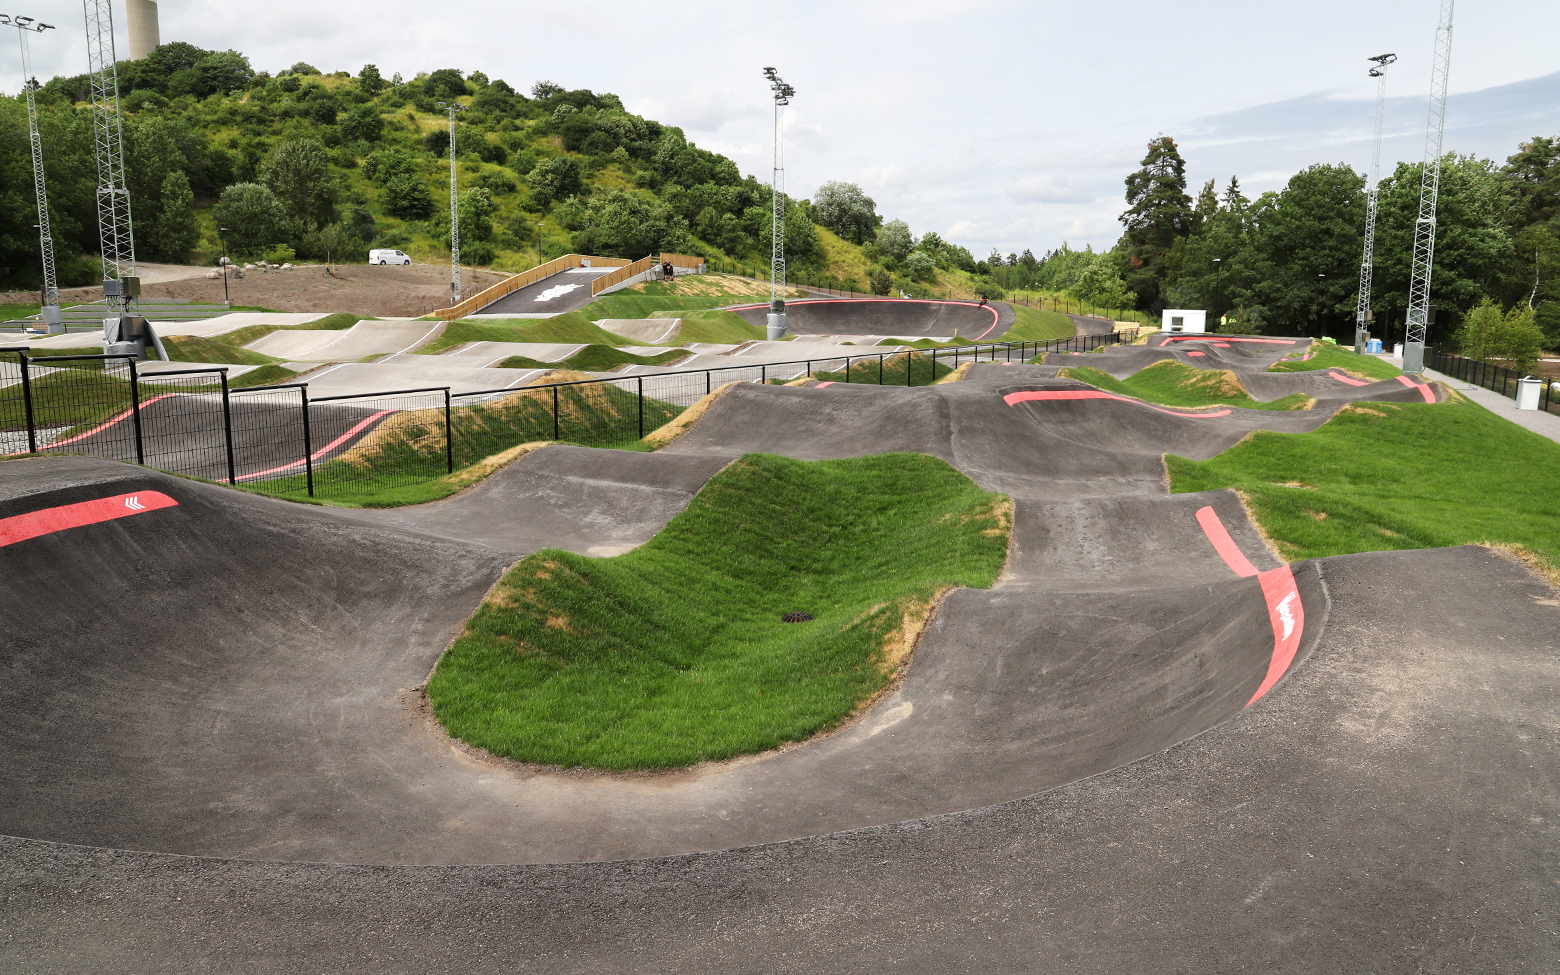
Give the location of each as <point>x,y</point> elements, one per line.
<point>568,328</point>
<point>1039,325</point>
<point>1394,476</point>
<point>891,372</point>
<point>1171,383</point>
<point>718,328</point>
<point>1329,356</point>
<point>675,653</point>
<point>595,358</point>
<point>632,304</point>
<point>194,348</point>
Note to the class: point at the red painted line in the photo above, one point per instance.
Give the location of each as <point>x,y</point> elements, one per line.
<point>19,528</point>
<point>1425,390</point>
<point>1222,345</point>
<point>1224,544</point>
<point>322,451</point>
<point>1345,379</point>
<point>1196,353</point>
<point>1013,399</point>
<point>1285,611</point>
<point>821,385</point>
<point>104,426</point>
<point>1288,617</point>
<point>1204,338</point>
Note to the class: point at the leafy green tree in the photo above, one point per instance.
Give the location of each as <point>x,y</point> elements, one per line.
<point>555,179</point>
<point>846,210</point>
<point>446,83</point>
<point>920,266</point>
<point>1489,333</point>
<point>1158,212</point>
<point>895,240</point>
<point>370,82</point>
<point>363,122</point>
<point>1309,236</point>
<point>881,281</point>
<point>171,231</point>
<point>255,219</point>
<point>298,172</point>
<point>623,224</point>
<point>406,196</point>
<point>476,214</point>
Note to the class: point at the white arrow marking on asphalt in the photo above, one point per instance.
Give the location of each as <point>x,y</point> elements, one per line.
<point>134,504</point>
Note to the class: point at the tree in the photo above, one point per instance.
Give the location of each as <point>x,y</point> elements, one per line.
<point>1158,211</point>
<point>555,179</point>
<point>255,219</point>
<point>298,172</point>
<point>363,123</point>
<point>543,90</point>
<point>1309,236</point>
<point>171,233</point>
<point>895,240</point>
<point>881,281</point>
<point>920,266</point>
<point>222,72</point>
<point>1489,333</point>
<point>623,224</point>
<point>846,210</point>
<point>476,214</point>
<point>406,196</point>
<point>370,81</point>
<point>1207,206</point>
<point>445,83</point>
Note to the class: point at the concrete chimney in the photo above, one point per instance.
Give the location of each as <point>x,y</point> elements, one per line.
<point>142,20</point>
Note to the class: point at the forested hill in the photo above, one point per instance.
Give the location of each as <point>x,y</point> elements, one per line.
<point>305,165</point>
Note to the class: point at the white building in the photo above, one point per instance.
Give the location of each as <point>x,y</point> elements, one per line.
<point>1184,320</point>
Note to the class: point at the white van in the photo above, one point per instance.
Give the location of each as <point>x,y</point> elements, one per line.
<point>387,256</point>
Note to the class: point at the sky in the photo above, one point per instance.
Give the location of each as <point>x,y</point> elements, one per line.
<point>997,124</point>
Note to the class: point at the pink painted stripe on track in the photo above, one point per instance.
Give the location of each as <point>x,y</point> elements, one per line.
<point>99,428</point>
<point>1346,379</point>
<point>1013,399</point>
<point>1285,611</point>
<point>821,385</point>
<point>1194,352</point>
<point>1205,338</point>
<point>19,528</point>
<point>1425,390</point>
<point>322,451</point>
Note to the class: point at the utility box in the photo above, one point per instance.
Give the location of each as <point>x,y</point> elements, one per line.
<point>1184,320</point>
<point>1529,388</point>
<point>1373,347</point>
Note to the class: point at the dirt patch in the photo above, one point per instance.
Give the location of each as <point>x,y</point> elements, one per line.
<point>956,376</point>
<point>675,428</point>
<point>381,292</point>
<point>711,286</point>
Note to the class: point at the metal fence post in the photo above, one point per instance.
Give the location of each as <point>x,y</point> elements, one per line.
<point>308,443</point>
<point>641,408</point>
<point>27,406</point>
<point>135,410</point>
<point>555,414</point>
<point>909,364</point>
<point>227,427</point>
<point>880,368</point>
<point>449,435</point>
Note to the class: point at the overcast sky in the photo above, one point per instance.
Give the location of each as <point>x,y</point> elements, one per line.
<point>997,124</point>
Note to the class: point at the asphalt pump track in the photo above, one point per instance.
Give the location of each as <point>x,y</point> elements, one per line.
<point>1151,746</point>
<point>909,317</point>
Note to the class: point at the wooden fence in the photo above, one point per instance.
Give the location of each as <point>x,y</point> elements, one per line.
<point>514,283</point>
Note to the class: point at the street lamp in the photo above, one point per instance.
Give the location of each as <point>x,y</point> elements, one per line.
<point>452,108</point>
<point>222,232</point>
<point>1218,287</point>
<point>1321,303</point>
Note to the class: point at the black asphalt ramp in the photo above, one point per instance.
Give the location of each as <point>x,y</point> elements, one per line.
<point>566,291</point>
<point>889,316</point>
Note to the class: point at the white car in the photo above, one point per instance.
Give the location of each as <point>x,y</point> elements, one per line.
<point>387,256</point>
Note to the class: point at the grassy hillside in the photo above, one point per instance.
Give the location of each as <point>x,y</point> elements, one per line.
<point>569,328</point>
<point>1171,383</point>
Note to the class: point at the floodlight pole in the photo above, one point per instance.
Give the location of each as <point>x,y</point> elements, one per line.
<point>116,235</point>
<point>782,96</point>
<point>52,322</point>
<point>1362,313</point>
<point>454,107</point>
<point>1429,191</point>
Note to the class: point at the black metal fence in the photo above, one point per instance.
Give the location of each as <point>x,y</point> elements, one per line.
<point>1497,379</point>
<point>280,440</point>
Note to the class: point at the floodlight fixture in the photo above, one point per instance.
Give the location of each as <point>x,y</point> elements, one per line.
<point>1362,310</point>
<point>782,93</point>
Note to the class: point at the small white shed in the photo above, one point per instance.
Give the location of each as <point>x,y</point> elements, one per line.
<point>1184,320</point>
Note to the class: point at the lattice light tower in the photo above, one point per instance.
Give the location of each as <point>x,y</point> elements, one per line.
<point>51,291</point>
<point>452,108</point>
<point>1362,314</point>
<point>782,95</point>
<point>116,235</point>
<point>1429,191</point>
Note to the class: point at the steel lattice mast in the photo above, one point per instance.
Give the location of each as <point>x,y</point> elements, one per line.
<point>1362,314</point>
<point>51,290</point>
<point>454,107</point>
<point>1429,192</point>
<point>116,235</point>
<point>782,95</point>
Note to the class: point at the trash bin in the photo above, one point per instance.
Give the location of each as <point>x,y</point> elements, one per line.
<point>1397,350</point>
<point>1528,390</point>
<point>1374,347</point>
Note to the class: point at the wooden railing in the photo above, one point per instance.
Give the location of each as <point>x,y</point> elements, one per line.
<point>515,282</point>
<point>682,260</point>
<point>598,285</point>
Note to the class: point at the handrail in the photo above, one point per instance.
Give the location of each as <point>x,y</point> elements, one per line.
<point>598,285</point>
<point>517,281</point>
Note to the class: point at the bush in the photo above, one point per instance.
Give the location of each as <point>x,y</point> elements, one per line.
<point>920,266</point>
<point>406,196</point>
<point>555,179</point>
<point>1511,336</point>
<point>280,254</point>
<point>882,282</point>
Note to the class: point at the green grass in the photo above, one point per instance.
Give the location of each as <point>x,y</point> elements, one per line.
<point>1171,383</point>
<point>567,329</point>
<point>893,371</point>
<point>8,312</point>
<point>1329,356</point>
<point>595,358</point>
<point>674,653</point>
<point>1038,325</point>
<point>268,375</point>
<point>253,333</point>
<point>718,328</point>
<point>1394,476</point>
<point>632,304</point>
<point>194,348</point>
